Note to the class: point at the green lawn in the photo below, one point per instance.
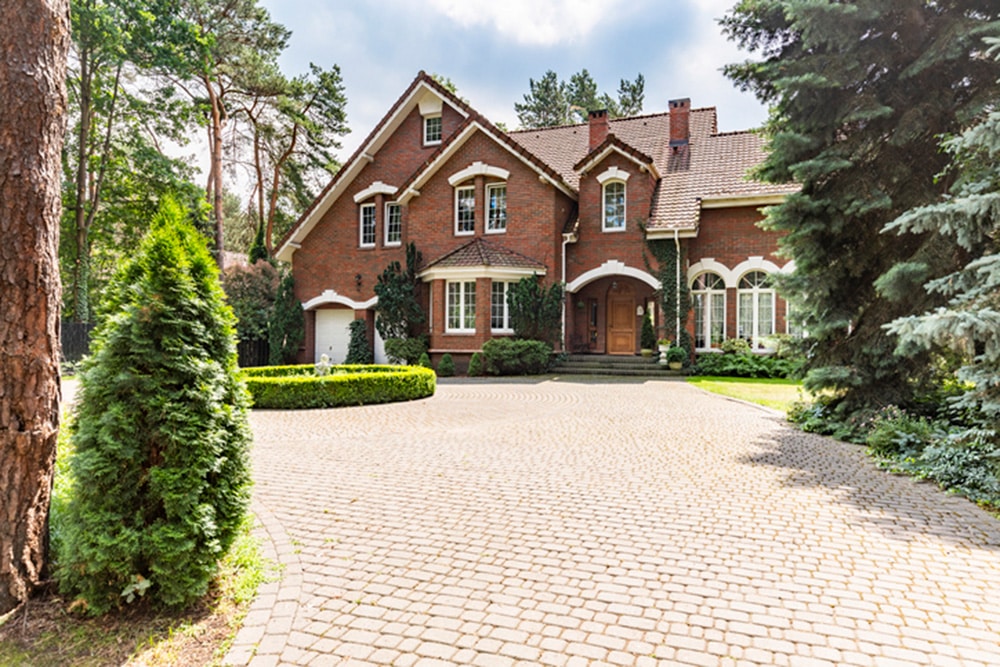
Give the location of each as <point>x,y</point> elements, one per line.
<point>773,393</point>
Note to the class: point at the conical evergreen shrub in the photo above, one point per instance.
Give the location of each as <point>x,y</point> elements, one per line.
<point>160,477</point>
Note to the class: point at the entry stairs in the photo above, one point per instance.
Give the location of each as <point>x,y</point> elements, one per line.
<point>615,365</point>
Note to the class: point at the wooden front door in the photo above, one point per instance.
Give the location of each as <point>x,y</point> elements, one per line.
<point>621,320</point>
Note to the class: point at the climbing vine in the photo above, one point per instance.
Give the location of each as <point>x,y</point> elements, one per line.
<point>674,305</point>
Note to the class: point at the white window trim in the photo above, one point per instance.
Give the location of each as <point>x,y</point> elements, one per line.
<point>506,308</point>
<point>604,207</point>
<point>385,225</point>
<point>486,205</point>
<point>712,294</point>
<point>361,226</point>
<point>457,190</point>
<point>462,306</point>
<point>432,142</point>
<point>613,174</point>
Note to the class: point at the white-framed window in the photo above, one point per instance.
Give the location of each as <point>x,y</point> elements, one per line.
<point>499,308</point>
<point>432,130</point>
<point>465,210</point>
<point>708,292</point>
<point>755,308</point>
<point>496,214</point>
<point>393,224</point>
<point>367,225</point>
<point>614,206</point>
<point>461,307</point>
<point>793,325</point>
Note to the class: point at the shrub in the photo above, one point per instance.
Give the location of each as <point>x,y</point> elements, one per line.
<point>896,433</point>
<point>746,365</point>
<point>159,477</point>
<point>647,336</point>
<point>358,350</point>
<point>735,346</point>
<point>447,366</point>
<point>475,365</point>
<point>508,356</point>
<point>425,361</point>
<point>535,313</point>
<point>251,291</point>
<point>287,327</point>
<point>297,387</point>
<point>405,350</point>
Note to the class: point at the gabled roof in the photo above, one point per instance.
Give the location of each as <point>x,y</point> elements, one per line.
<point>479,254</point>
<point>472,124</point>
<point>364,154</point>
<point>710,170</point>
<point>613,144</point>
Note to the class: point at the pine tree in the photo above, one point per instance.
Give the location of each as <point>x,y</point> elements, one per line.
<point>358,349</point>
<point>859,91</point>
<point>160,475</point>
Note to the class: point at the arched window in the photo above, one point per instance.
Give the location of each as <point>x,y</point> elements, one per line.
<point>614,206</point>
<point>708,292</point>
<point>755,308</point>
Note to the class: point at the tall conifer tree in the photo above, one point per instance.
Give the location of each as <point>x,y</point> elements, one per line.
<point>859,94</point>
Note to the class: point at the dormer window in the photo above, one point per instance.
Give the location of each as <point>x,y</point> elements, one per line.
<point>432,130</point>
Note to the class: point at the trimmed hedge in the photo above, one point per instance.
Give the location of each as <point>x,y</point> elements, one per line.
<point>298,387</point>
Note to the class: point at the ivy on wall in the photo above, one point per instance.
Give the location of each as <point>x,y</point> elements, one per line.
<point>674,305</point>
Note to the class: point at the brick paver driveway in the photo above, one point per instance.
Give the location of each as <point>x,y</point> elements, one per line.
<point>587,523</point>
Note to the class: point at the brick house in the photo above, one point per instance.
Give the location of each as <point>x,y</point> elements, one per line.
<point>573,204</point>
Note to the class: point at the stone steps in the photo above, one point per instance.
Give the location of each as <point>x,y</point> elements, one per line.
<point>613,365</point>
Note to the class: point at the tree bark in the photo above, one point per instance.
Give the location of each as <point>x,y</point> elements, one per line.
<point>34,42</point>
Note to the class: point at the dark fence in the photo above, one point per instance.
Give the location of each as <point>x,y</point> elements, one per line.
<point>253,352</point>
<point>75,338</point>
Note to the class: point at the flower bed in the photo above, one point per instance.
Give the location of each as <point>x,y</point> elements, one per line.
<point>298,387</point>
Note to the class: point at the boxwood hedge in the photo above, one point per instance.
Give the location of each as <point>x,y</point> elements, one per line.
<point>298,387</point>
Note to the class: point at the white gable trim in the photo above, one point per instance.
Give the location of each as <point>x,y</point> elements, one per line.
<point>596,160</point>
<point>376,188</point>
<point>459,141</point>
<point>512,273</point>
<point>612,268</point>
<point>613,174</point>
<point>477,169</point>
<point>330,296</point>
<point>362,157</point>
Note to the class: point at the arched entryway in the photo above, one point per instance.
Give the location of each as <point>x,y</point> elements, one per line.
<point>621,318</point>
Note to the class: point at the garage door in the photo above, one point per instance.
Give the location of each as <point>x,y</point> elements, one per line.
<point>333,334</point>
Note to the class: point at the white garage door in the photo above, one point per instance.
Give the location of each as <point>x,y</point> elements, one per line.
<point>333,333</point>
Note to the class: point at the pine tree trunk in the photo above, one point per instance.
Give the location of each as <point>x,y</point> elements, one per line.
<point>34,41</point>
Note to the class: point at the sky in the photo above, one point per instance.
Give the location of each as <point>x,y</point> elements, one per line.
<point>491,48</point>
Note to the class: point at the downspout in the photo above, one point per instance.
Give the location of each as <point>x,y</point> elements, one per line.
<point>565,242</point>
<point>677,287</point>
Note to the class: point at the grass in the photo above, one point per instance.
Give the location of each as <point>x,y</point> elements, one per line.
<point>778,394</point>
<point>45,632</point>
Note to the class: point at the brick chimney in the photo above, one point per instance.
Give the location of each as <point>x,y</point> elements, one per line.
<point>598,121</point>
<point>680,122</point>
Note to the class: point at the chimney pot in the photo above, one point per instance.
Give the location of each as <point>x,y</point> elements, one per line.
<point>598,122</point>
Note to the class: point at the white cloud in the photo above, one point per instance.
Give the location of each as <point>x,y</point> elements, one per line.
<point>532,22</point>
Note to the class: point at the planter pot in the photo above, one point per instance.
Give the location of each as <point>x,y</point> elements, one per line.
<point>675,365</point>
<point>646,353</point>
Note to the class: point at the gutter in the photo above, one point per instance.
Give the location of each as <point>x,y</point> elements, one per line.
<point>677,287</point>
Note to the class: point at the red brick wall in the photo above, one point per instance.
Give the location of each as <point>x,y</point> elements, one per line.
<point>596,246</point>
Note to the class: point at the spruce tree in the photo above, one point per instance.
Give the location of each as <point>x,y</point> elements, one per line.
<point>859,92</point>
<point>970,321</point>
<point>160,478</point>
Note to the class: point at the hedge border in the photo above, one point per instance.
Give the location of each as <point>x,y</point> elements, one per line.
<point>297,387</point>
